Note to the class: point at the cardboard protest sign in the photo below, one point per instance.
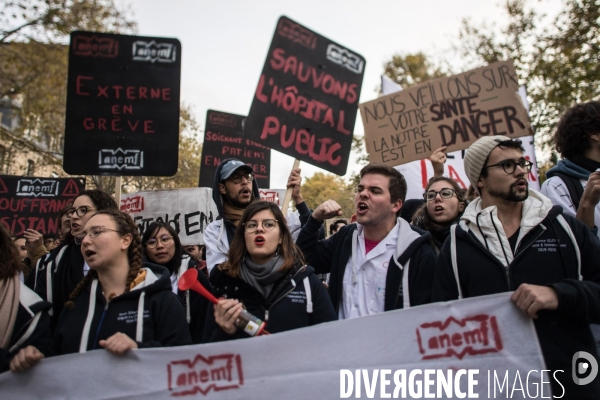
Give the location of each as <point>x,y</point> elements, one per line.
<point>476,346</point>
<point>188,211</point>
<point>35,203</point>
<point>454,111</point>
<point>122,105</point>
<point>224,138</point>
<point>418,173</point>
<point>306,99</point>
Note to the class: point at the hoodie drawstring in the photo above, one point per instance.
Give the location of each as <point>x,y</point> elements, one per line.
<point>309,304</point>
<point>499,239</point>
<point>481,232</point>
<point>139,329</point>
<point>88,320</point>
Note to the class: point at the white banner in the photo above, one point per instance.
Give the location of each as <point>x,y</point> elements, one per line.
<point>188,211</point>
<point>418,173</point>
<point>274,195</point>
<point>482,346</point>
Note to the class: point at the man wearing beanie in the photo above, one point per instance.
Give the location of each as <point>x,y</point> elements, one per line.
<point>513,239</point>
<point>234,189</point>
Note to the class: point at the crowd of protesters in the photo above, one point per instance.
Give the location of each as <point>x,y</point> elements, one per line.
<point>102,285</point>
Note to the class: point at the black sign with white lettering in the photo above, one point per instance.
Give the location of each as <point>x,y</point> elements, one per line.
<point>307,96</point>
<point>122,105</point>
<point>224,138</point>
<point>35,203</point>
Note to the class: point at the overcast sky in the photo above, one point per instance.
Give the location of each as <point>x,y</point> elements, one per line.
<point>225,43</point>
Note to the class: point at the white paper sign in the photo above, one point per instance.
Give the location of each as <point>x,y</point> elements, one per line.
<point>480,341</point>
<point>188,211</point>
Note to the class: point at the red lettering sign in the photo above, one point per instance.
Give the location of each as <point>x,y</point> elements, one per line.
<point>132,204</point>
<point>472,335</point>
<point>201,375</point>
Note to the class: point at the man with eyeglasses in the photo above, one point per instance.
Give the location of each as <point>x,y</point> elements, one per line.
<point>513,239</point>
<point>234,188</point>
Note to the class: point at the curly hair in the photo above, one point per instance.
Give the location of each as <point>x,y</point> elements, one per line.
<point>291,253</point>
<point>125,226</point>
<point>421,217</point>
<point>10,262</point>
<point>101,199</point>
<point>571,136</point>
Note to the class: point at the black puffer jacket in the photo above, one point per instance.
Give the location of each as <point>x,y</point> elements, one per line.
<point>286,308</point>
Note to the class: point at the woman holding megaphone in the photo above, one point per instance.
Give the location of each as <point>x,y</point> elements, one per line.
<point>265,274</point>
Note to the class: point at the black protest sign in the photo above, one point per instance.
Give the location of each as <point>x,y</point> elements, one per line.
<point>224,138</point>
<point>35,203</point>
<point>307,96</point>
<point>122,105</point>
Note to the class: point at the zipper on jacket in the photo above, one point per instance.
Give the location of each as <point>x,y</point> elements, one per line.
<point>100,325</point>
<point>266,315</point>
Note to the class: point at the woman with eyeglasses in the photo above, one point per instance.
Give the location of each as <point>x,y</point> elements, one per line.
<point>444,204</point>
<point>65,266</point>
<point>122,303</point>
<point>265,273</point>
<point>161,246</point>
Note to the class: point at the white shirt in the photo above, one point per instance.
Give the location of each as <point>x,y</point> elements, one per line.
<point>367,295</point>
<point>556,190</point>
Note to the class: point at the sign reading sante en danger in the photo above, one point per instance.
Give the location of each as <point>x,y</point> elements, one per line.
<point>122,105</point>
<point>454,112</point>
<point>307,96</point>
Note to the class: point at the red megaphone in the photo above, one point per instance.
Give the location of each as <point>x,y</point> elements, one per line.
<point>189,280</point>
<point>247,322</point>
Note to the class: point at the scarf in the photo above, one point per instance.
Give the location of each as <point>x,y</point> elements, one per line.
<point>9,307</point>
<point>262,277</point>
<point>585,163</point>
<point>232,213</point>
<point>438,232</point>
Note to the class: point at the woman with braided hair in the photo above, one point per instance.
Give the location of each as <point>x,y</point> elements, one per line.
<point>122,303</point>
<point>64,267</point>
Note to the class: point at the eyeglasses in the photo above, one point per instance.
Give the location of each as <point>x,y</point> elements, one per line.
<point>237,178</point>
<point>93,233</point>
<point>81,211</point>
<point>267,224</point>
<point>510,166</point>
<point>164,239</point>
<point>445,193</point>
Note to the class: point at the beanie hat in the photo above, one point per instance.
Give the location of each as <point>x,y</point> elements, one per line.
<point>478,153</point>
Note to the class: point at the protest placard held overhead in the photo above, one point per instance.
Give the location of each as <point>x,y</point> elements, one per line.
<point>307,96</point>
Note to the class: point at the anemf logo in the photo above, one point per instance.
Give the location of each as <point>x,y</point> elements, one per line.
<point>152,51</point>
<point>345,58</point>
<point>37,187</point>
<point>132,204</point>
<point>472,335</point>
<point>121,159</point>
<point>581,368</point>
<point>297,33</point>
<point>200,375</point>
<point>222,119</point>
<point>95,47</point>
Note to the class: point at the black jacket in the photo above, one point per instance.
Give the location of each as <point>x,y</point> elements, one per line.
<point>32,313</point>
<point>545,256</point>
<point>164,317</point>
<point>284,310</point>
<point>65,267</point>
<point>331,255</point>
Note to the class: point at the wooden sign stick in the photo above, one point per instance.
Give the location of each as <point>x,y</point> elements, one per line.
<point>288,192</point>
<point>118,183</point>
